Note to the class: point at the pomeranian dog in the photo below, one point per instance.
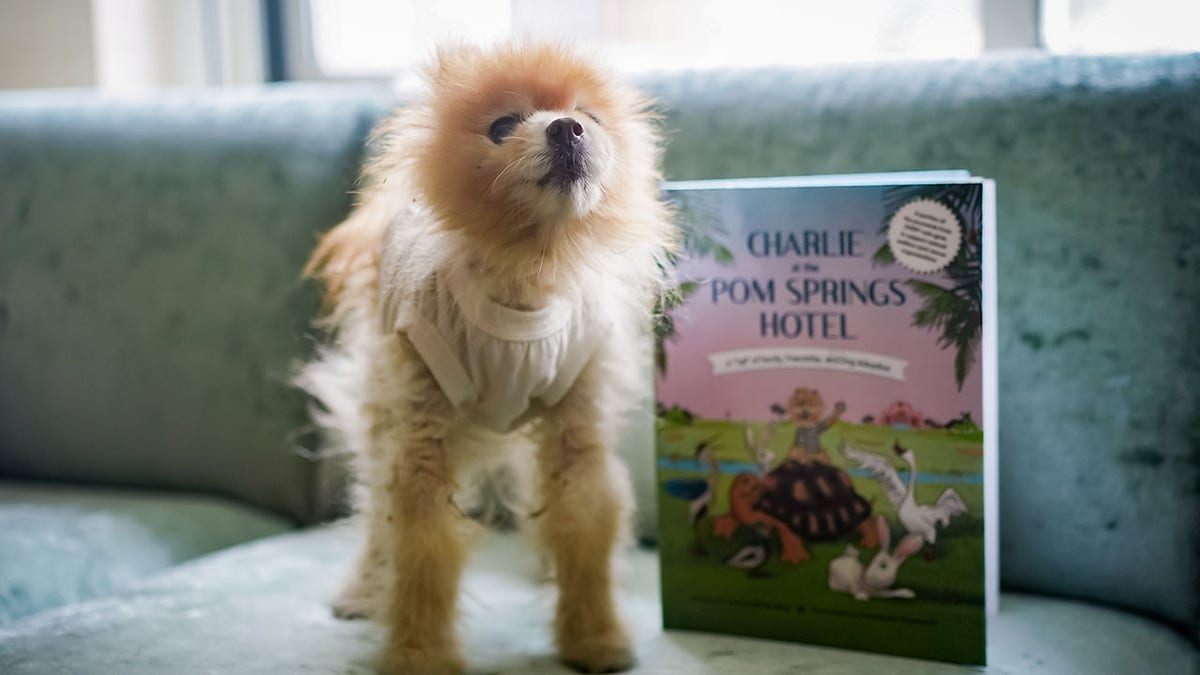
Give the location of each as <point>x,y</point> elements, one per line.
<point>489,300</point>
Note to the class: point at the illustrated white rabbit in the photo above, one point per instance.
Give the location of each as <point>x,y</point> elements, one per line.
<point>758,445</point>
<point>847,574</point>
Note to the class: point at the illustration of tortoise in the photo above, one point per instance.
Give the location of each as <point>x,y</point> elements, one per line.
<point>803,502</point>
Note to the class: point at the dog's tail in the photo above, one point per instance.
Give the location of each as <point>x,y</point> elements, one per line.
<point>334,379</point>
<point>346,263</point>
<point>346,260</point>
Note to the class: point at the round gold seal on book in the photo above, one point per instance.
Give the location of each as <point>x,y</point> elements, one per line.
<point>924,235</point>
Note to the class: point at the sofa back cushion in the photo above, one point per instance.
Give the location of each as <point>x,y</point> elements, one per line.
<point>151,305</point>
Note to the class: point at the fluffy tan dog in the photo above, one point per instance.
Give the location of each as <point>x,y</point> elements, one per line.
<point>494,285</point>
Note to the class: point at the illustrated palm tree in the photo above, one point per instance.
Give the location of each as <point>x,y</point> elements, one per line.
<point>701,231</point>
<point>954,310</point>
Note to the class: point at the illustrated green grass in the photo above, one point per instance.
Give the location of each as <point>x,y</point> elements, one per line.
<point>793,602</point>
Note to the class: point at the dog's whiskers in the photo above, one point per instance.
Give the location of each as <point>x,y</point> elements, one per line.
<point>500,175</point>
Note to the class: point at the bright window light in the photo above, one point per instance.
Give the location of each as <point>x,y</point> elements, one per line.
<point>356,38</point>
<point>1121,26</point>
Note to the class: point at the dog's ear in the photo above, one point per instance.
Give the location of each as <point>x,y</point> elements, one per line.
<point>452,63</point>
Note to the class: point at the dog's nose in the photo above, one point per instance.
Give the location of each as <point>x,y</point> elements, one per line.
<point>564,131</point>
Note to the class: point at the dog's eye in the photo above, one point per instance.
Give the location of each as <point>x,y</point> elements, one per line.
<point>503,128</point>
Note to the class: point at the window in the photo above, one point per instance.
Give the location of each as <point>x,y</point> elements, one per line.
<point>378,38</point>
<point>373,38</point>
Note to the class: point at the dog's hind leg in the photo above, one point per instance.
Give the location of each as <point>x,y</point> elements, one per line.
<point>587,496</point>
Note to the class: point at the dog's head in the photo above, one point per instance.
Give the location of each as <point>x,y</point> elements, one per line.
<point>532,143</point>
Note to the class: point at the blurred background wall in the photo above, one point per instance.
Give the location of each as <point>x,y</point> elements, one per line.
<point>131,45</point>
<point>46,44</point>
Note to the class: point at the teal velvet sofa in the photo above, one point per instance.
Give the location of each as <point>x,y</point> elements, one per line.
<point>165,506</point>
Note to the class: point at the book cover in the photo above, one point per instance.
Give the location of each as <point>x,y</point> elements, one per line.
<point>825,449</point>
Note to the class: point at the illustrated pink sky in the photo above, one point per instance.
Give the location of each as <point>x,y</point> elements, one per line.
<point>704,328</point>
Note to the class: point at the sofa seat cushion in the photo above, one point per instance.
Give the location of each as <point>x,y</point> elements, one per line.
<point>262,608</point>
<point>62,544</point>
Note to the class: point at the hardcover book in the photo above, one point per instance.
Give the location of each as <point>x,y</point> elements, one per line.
<point>826,445</point>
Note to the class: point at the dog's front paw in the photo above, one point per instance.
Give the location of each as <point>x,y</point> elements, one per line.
<point>604,653</point>
<point>408,660</point>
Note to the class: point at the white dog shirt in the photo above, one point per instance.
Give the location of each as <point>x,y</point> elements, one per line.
<point>493,358</point>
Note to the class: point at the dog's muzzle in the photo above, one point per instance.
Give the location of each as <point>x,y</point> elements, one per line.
<point>566,144</point>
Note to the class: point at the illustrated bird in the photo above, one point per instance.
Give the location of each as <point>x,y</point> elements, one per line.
<point>698,492</point>
<point>922,519</point>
